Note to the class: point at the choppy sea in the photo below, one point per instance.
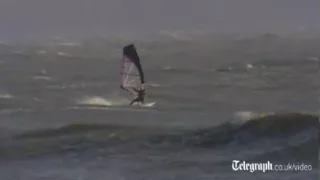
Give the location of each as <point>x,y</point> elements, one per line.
<point>254,99</point>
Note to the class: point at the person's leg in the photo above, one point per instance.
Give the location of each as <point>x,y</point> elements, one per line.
<point>134,100</point>
<point>138,99</point>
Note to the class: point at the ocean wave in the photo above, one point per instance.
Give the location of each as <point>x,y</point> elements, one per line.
<point>79,85</point>
<point>267,126</point>
<point>71,138</point>
<point>256,133</point>
<point>257,127</point>
<point>171,69</point>
<point>15,110</point>
<point>73,129</point>
<point>270,63</point>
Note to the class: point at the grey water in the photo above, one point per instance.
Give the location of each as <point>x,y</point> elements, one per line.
<point>64,117</point>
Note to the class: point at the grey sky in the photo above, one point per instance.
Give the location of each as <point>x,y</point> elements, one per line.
<point>41,18</point>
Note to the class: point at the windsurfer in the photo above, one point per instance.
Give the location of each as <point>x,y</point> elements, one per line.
<point>132,74</point>
<point>140,93</point>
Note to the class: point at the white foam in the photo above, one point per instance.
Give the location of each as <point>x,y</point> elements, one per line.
<point>154,85</point>
<point>313,58</point>
<point>42,78</point>
<point>64,54</point>
<point>113,109</point>
<point>249,66</point>
<point>179,35</point>
<point>243,116</point>
<point>5,96</point>
<point>17,52</point>
<point>94,101</point>
<point>72,44</point>
<point>100,101</point>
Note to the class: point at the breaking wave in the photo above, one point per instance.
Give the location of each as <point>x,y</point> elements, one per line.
<point>291,132</point>
<point>256,128</point>
<point>268,126</point>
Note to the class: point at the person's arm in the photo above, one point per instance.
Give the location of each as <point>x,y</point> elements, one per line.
<point>132,93</point>
<point>135,89</point>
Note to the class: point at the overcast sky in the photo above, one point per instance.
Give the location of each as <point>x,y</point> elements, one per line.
<point>21,19</point>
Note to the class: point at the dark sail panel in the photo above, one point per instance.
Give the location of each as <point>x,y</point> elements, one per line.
<point>130,53</point>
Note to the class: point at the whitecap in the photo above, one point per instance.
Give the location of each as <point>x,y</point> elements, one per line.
<point>5,96</point>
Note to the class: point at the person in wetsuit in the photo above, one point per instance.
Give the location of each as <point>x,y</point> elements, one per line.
<point>140,95</point>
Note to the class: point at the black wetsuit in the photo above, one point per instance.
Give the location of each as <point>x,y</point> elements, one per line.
<point>140,96</point>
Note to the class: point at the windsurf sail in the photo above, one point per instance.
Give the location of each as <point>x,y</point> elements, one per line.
<point>132,75</point>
